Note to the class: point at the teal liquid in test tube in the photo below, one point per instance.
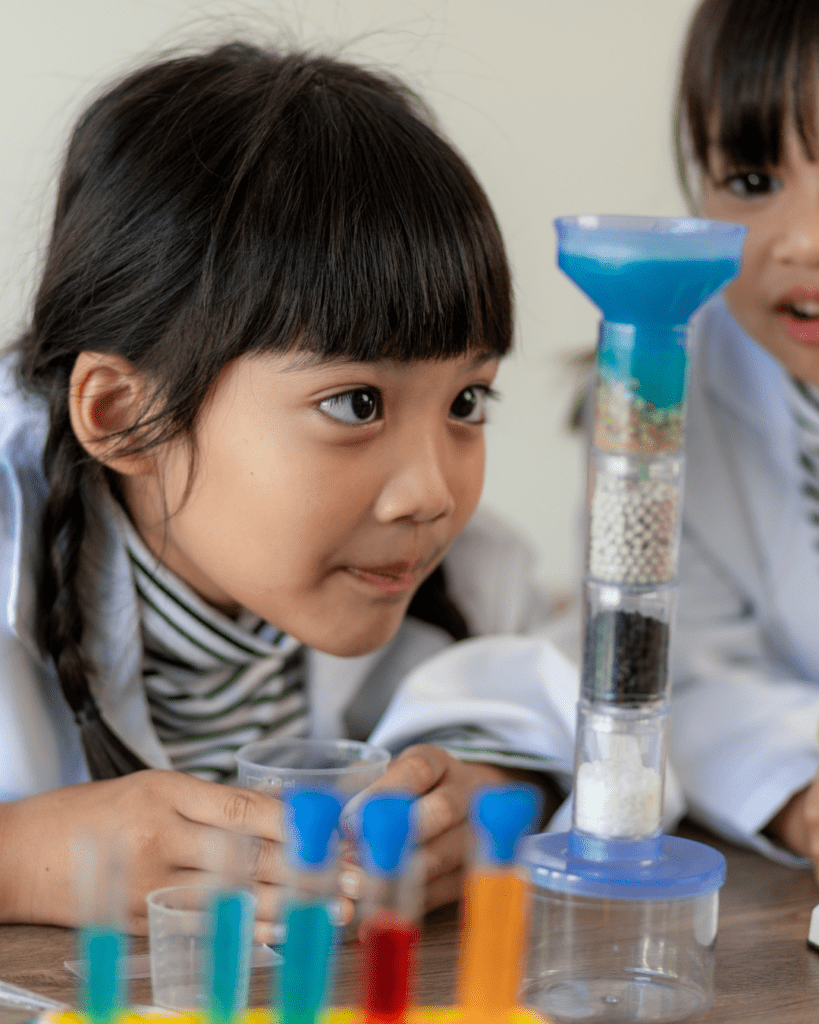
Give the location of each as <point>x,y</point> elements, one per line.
<point>305,975</point>
<point>228,959</point>
<point>103,950</point>
<point>100,879</point>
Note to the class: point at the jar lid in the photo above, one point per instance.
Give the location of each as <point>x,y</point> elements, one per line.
<point>679,869</point>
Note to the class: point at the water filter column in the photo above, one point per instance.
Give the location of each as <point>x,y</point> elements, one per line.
<point>647,276</point>
<point>624,917</point>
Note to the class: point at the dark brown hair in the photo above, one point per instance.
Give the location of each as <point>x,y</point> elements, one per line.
<point>235,201</point>
<point>749,68</point>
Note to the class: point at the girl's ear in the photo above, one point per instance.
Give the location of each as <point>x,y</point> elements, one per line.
<point>107,395</point>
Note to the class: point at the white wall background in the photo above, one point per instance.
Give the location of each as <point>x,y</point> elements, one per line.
<point>562,106</point>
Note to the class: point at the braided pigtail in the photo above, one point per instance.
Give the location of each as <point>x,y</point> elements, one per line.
<point>71,476</point>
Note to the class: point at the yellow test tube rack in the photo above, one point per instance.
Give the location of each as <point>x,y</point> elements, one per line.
<point>334,1015</point>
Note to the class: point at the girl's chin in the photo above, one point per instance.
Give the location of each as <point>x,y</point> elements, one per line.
<point>355,644</point>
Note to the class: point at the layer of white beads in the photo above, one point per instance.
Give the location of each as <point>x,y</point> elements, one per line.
<point>632,533</point>
<point>618,797</point>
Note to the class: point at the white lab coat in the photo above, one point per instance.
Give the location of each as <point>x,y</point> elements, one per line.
<point>746,649</point>
<point>519,688</point>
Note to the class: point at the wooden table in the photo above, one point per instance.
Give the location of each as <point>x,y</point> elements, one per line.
<point>765,971</point>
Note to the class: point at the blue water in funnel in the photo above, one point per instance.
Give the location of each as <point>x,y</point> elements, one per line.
<point>648,275</point>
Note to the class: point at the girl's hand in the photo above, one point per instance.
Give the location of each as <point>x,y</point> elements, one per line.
<point>445,787</point>
<point>796,826</point>
<point>165,822</point>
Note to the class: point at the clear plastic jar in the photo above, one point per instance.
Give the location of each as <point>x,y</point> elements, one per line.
<point>621,930</point>
<point>598,960</point>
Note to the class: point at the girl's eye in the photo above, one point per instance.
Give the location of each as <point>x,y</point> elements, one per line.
<point>360,406</point>
<point>470,405</point>
<point>750,184</point>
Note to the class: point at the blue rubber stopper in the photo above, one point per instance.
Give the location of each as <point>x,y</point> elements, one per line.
<point>313,815</point>
<point>386,832</point>
<point>501,816</point>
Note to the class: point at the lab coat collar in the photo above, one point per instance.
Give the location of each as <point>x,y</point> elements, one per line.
<point>740,375</point>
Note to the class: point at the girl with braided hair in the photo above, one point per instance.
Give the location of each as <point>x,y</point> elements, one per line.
<point>242,444</point>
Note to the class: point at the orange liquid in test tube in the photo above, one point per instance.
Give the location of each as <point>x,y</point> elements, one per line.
<point>492,951</point>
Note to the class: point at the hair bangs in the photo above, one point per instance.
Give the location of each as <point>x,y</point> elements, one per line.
<point>749,72</point>
<point>374,241</point>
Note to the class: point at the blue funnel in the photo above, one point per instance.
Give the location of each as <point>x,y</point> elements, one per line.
<point>648,275</point>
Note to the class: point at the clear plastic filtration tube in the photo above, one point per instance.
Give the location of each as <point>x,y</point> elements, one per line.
<point>647,276</point>
<point>624,917</point>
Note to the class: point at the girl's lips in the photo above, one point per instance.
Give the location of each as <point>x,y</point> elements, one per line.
<point>386,581</point>
<point>799,310</point>
<point>801,329</point>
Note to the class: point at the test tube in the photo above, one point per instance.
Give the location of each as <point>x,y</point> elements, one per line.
<point>391,906</point>
<point>496,905</point>
<point>228,958</point>
<point>101,883</point>
<point>312,839</point>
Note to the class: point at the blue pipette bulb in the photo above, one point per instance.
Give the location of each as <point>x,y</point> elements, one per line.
<point>648,276</point>
<point>501,816</point>
<point>387,833</point>
<point>313,818</point>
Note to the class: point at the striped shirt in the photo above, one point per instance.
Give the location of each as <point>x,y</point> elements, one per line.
<point>213,683</point>
<point>803,400</point>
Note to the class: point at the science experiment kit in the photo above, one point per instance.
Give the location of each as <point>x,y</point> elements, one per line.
<point>613,921</point>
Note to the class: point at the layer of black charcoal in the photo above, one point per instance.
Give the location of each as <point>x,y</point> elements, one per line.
<point>626,657</point>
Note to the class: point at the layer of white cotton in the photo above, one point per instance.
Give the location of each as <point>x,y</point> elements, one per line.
<point>618,797</point>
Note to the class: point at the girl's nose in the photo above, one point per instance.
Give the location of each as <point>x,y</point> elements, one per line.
<point>798,238</point>
<point>418,486</point>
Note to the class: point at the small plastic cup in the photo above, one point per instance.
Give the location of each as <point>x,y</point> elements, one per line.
<point>277,766</point>
<point>178,929</point>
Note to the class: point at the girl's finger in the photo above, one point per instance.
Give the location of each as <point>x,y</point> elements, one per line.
<point>445,889</point>
<point>446,853</point>
<point>226,807</point>
<point>416,770</point>
<point>270,900</point>
<point>447,805</point>
<point>225,855</point>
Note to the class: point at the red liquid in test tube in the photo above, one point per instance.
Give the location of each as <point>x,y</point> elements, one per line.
<point>387,952</point>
